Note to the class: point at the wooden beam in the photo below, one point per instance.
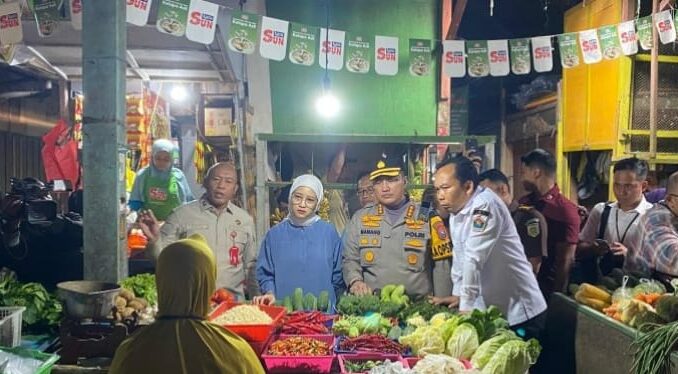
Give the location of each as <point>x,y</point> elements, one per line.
<point>654,84</point>
<point>457,14</point>
<point>664,4</point>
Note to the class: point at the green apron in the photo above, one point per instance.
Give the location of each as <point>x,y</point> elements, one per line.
<point>161,196</point>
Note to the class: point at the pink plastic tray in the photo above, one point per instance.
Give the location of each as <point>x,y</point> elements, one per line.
<point>299,364</point>
<point>366,357</point>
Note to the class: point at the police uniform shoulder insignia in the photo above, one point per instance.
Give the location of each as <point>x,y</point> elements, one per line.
<point>480,218</point>
<point>410,212</point>
<point>414,243</point>
<point>533,229</point>
<point>524,207</point>
<point>364,240</point>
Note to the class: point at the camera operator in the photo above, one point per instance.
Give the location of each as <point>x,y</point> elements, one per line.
<point>11,208</point>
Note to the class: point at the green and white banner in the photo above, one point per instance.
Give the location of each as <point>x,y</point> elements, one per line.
<point>609,42</point>
<point>242,36</point>
<point>172,17</point>
<point>358,53</point>
<point>303,43</point>
<point>420,57</point>
<point>46,14</point>
<point>569,52</point>
<point>138,11</point>
<point>478,61</point>
<point>520,56</point>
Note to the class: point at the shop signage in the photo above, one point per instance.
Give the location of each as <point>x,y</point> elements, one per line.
<point>454,58</point>
<point>386,55</point>
<point>569,52</point>
<point>609,42</point>
<point>665,27</point>
<point>273,39</point>
<point>202,21</point>
<point>303,41</point>
<point>172,17</point>
<point>137,11</point>
<point>520,56</point>
<point>420,57</point>
<point>358,53</point>
<point>499,57</point>
<point>75,9</point>
<point>542,56</point>
<point>46,14</point>
<point>10,23</point>
<point>644,31</point>
<point>242,36</point>
<point>478,61</point>
<point>590,46</point>
<point>331,49</point>
<point>628,38</point>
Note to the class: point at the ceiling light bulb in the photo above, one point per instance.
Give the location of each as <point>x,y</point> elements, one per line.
<point>327,105</point>
<point>179,93</point>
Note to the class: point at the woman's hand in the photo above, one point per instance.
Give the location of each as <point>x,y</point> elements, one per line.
<point>268,299</point>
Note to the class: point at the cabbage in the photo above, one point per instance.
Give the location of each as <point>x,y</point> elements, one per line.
<point>448,327</point>
<point>513,357</point>
<point>416,321</point>
<point>424,340</point>
<point>438,319</point>
<point>489,347</point>
<point>648,286</point>
<point>463,342</point>
<point>438,364</point>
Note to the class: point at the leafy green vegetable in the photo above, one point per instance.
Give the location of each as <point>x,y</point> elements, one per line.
<point>485,322</point>
<point>143,286</point>
<point>43,310</point>
<point>463,342</point>
<point>447,328</point>
<point>667,307</point>
<point>486,350</point>
<point>513,357</point>
<point>356,325</point>
<point>423,308</point>
<point>361,366</point>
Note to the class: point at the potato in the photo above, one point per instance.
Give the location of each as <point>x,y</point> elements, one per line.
<point>127,294</point>
<point>142,301</point>
<point>135,304</point>
<point>120,302</point>
<point>127,312</point>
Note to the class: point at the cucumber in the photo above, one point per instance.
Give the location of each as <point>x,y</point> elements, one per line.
<point>298,299</point>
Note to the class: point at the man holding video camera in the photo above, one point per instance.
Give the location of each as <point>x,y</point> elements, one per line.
<point>612,232</point>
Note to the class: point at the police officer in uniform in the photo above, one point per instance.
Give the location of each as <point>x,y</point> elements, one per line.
<point>386,243</point>
<point>440,244</point>
<point>531,224</point>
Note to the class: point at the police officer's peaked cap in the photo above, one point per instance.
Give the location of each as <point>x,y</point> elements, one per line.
<point>387,166</point>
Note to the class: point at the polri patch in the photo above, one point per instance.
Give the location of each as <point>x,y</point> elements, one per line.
<point>480,218</point>
<point>533,229</point>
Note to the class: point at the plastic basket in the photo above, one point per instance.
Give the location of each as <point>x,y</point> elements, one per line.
<point>10,325</point>
<point>362,357</point>
<point>252,333</point>
<point>300,364</point>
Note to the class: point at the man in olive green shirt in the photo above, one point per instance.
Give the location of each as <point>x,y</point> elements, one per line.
<point>229,230</point>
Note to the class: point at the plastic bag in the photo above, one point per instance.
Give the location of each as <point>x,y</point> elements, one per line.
<point>15,364</point>
<point>623,292</point>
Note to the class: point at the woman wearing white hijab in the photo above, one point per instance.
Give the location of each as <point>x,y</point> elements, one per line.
<point>302,251</point>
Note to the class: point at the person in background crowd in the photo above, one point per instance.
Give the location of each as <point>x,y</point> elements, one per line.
<point>386,243</point>
<point>477,159</point>
<point>181,340</point>
<point>338,211</point>
<point>612,230</point>
<point>531,224</point>
<point>440,246</point>
<point>301,241</point>
<point>659,235</point>
<point>229,230</point>
<point>654,193</point>
<point>562,218</point>
<point>489,265</point>
<point>365,190</point>
<point>160,187</point>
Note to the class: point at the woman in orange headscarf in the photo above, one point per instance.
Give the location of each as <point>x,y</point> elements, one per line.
<point>181,340</point>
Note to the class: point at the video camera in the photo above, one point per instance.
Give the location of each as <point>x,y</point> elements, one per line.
<point>38,207</point>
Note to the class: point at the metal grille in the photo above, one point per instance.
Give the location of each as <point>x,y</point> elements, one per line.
<point>641,143</point>
<point>667,105</point>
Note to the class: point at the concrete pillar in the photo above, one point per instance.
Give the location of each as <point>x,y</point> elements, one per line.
<point>104,41</point>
